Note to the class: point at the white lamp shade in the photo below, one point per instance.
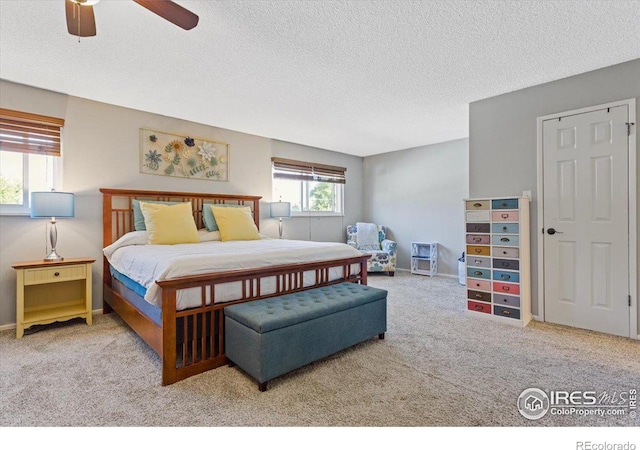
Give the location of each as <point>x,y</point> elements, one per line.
<point>52,204</point>
<point>280,210</point>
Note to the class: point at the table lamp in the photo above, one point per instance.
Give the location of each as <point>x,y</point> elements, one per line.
<point>52,205</point>
<point>280,210</point>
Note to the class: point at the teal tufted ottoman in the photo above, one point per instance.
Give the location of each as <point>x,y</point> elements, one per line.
<point>268,338</point>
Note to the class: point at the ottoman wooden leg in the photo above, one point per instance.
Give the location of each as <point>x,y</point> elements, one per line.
<point>381,336</point>
<point>262,386</point>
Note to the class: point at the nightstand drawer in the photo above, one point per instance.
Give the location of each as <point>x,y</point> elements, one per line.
<point>55,274</point>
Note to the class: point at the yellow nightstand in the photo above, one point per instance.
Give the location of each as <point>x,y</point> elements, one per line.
<point>48,292</point>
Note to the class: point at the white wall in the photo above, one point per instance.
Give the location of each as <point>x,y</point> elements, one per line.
<point>101,149</point>
<point>502,135</point>
<point>417,193</point>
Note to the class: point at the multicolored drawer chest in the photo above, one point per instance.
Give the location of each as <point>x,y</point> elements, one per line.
<point>497,259</point>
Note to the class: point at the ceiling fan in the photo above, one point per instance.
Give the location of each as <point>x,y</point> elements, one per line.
<point>82,23</point>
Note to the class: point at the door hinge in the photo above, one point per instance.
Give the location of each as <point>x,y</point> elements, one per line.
<point>629,299</point>
<point>628,124</point>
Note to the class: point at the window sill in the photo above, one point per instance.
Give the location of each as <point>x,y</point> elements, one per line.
<point>295,215</point>
<point>15,212</point>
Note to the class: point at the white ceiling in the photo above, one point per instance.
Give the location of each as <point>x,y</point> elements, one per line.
<point>359,77</point>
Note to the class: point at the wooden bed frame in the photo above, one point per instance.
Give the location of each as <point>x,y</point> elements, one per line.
<point>191,341</point>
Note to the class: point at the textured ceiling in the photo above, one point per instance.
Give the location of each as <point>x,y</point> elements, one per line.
<point>359,77</point>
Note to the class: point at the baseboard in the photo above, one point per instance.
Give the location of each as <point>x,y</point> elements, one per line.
<point>445,275</point>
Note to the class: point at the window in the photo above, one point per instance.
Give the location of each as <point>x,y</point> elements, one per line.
<point>29,152</point>
<point>310,188</point>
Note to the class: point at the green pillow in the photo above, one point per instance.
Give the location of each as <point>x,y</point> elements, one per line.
<point>207,214</point>
<point>138,218</point>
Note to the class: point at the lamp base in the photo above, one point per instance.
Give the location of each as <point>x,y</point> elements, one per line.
<point>53,256</point>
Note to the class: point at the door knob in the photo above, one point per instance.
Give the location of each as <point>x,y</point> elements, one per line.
<point>553,231</point>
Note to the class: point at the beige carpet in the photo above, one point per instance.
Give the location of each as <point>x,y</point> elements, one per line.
<point>436,367</point>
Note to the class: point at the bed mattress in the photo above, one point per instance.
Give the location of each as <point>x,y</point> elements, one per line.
<point>144,264</point>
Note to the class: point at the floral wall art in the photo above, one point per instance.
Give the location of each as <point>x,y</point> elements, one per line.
<point>183,156</point>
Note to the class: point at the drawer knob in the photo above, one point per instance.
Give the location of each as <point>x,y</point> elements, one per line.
<point>57,274</point>
<point>504,228</point>
<point>478,261</point>
<point>504,216</point>
<point>505,264</point>
<point>506,313</point>
<point>477,239</point>
<point>477,205</point>
<point>478,295</point>
<point>478,307</point>
<point>504,240</point>
<point>478,284</point>
<point>477,228</point>
<point>477,250</point>
<point>505,288</point>
<point>506,277</point>
<point>477,272</point>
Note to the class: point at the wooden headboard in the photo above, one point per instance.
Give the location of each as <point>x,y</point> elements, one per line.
<point>117,207</point>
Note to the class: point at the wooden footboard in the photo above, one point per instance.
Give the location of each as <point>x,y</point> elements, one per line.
<point>192,341</point>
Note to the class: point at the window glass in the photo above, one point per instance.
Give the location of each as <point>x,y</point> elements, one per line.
<point>20,174</point>
<point>309,196</point>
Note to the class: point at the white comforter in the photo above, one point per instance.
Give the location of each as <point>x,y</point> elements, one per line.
<point>145,264</point>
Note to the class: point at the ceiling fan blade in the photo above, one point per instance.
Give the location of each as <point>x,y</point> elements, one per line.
<point>171,11</point>
<point>80,19</point>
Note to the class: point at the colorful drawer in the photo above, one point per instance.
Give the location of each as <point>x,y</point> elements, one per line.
<point>478,261</point>
<point>504,216</point>
<point>479,307</point>
<point>481,285</point>
<point>479,250</point>
<point>478,239</point>
<point>508,264</point>
<point>475,272</point>
<point>511,313</point>
<point>478,205</point>
<point>505,239</point>
<point>478,216</point>
<point>502,275</point>
<point>505,227</point>
<point>504,203</point>
<point>478,227</point>
<point>506,252</point>
<point>506,300</point>
<point>479,296</point>
<point>506,288</point>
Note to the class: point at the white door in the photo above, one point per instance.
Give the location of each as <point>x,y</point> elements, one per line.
<point>586,259</point>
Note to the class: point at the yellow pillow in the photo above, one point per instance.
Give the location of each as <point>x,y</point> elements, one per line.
<point>235,224</point>
<point>169,224</point>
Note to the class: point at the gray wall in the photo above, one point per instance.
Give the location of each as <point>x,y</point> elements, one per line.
<point>417,193</point>
<point>100,149</point>
<point>503,140</point>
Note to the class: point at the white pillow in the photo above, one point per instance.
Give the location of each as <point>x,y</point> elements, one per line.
<point>208,236</point>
